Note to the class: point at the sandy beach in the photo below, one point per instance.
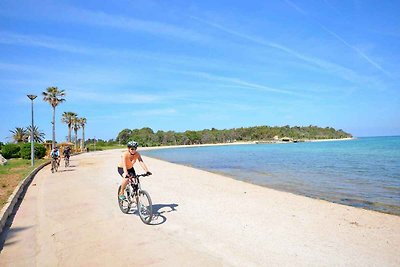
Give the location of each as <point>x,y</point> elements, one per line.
<point>71,218</point>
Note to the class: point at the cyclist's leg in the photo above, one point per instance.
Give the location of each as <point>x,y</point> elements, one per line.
<point>124,181</point>
<point>53,164</point>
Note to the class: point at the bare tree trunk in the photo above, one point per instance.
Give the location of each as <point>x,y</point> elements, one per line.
<point>76,139</point>
<point>83,137</point>
<point>54,128</point>
<point>69,132</point>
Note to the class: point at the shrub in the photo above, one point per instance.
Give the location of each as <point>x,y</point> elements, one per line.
<point>10,151</point>
<point>40,151</point>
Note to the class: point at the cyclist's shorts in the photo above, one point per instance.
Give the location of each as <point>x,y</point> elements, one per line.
<point>131,171</point>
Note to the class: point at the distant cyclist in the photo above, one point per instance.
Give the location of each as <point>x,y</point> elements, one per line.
<point>67,154</point>
<point>125,166</point>
<point>55,155</point>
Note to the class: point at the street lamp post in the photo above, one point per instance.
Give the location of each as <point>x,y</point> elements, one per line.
<point>32,97</point>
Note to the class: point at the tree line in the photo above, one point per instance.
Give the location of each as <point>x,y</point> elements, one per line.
<point>20,135</point>
<point>54,97</point>
<point>147,137</point>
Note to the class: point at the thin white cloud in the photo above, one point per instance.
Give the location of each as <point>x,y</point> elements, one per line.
<point>71,46</point>
<point>360,53</point>
<point>290,3</point>
<point>340,39</point>
<point>40,41</point>
<point>242,83</point>
<point>156,28</point>
<point>343,72</point>
<point>155,112</point>
<point>112,97</point>
<point>141,113</point>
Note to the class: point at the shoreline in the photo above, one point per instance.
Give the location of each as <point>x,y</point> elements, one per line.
<point>283,190</point>
<point>340,197</point>
<point>319,226</point>
<point>214,219</point>
<point>246,143</point>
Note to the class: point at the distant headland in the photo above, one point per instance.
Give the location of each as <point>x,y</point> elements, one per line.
<point>261,134</point>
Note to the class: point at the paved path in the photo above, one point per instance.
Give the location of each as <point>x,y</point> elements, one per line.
<point>71,218</point>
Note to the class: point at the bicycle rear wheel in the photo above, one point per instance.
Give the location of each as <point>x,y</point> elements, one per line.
<point>53,166</point>
<point>123,204</point>
<point>145,206</point>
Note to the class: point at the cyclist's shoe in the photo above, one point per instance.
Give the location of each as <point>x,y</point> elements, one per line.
<point>122,197</point>
<point>148,173</point>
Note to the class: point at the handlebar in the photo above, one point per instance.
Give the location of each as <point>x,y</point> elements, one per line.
<point>140,175</point>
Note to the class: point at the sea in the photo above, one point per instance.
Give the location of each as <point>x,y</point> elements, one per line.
<point>363,172</point>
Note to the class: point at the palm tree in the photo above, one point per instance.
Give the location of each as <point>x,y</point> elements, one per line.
<point>19,135</point>
<point>67,117</point>
<point>38,136</point>
<point>83,124</point>
<point>76,125</point>
<point>54,97</point>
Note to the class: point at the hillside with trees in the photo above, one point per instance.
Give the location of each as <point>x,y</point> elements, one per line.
<point>147,137</point>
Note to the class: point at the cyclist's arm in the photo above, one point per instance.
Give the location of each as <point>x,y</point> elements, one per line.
<point>125,159</point>
<point>142,164</point>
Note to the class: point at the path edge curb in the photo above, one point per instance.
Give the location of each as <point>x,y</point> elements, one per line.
<point>15,196</point>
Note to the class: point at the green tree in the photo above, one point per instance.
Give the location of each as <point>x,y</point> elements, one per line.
<point>67,118</point>
<point>19,135</point>
<point>54,97</point>
<point>124,136</point>
<point>193,137</point>
<point>38,136</point>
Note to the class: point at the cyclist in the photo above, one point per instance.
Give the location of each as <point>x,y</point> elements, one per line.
<point>67,153</point>
<point>125,166</point>
<point>55,155</point>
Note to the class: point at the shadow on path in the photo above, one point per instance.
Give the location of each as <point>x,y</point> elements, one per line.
<point>10,234</point>
<point>66,170</point>
<point>159,210</point>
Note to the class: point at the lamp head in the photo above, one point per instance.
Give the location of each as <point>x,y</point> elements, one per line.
<point>31,97</point>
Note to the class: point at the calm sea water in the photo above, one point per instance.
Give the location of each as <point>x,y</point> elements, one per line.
<point>363,173</point>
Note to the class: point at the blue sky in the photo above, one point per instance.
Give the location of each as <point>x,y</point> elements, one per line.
<point>179,65</point>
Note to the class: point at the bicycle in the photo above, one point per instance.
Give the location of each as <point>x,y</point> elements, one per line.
<point>54,165</point>
<point>136,195</point>
<point>66,161</point>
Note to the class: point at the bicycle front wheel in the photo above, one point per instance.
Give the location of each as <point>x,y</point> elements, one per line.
<point>145,207</point>
<point>123,204</point>
<point>53,166</point>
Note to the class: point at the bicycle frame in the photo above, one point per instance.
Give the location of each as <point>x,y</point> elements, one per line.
<point>134,186</point>
<point>134,194</point>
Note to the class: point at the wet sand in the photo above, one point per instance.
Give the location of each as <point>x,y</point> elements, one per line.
<point>71,218</point>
